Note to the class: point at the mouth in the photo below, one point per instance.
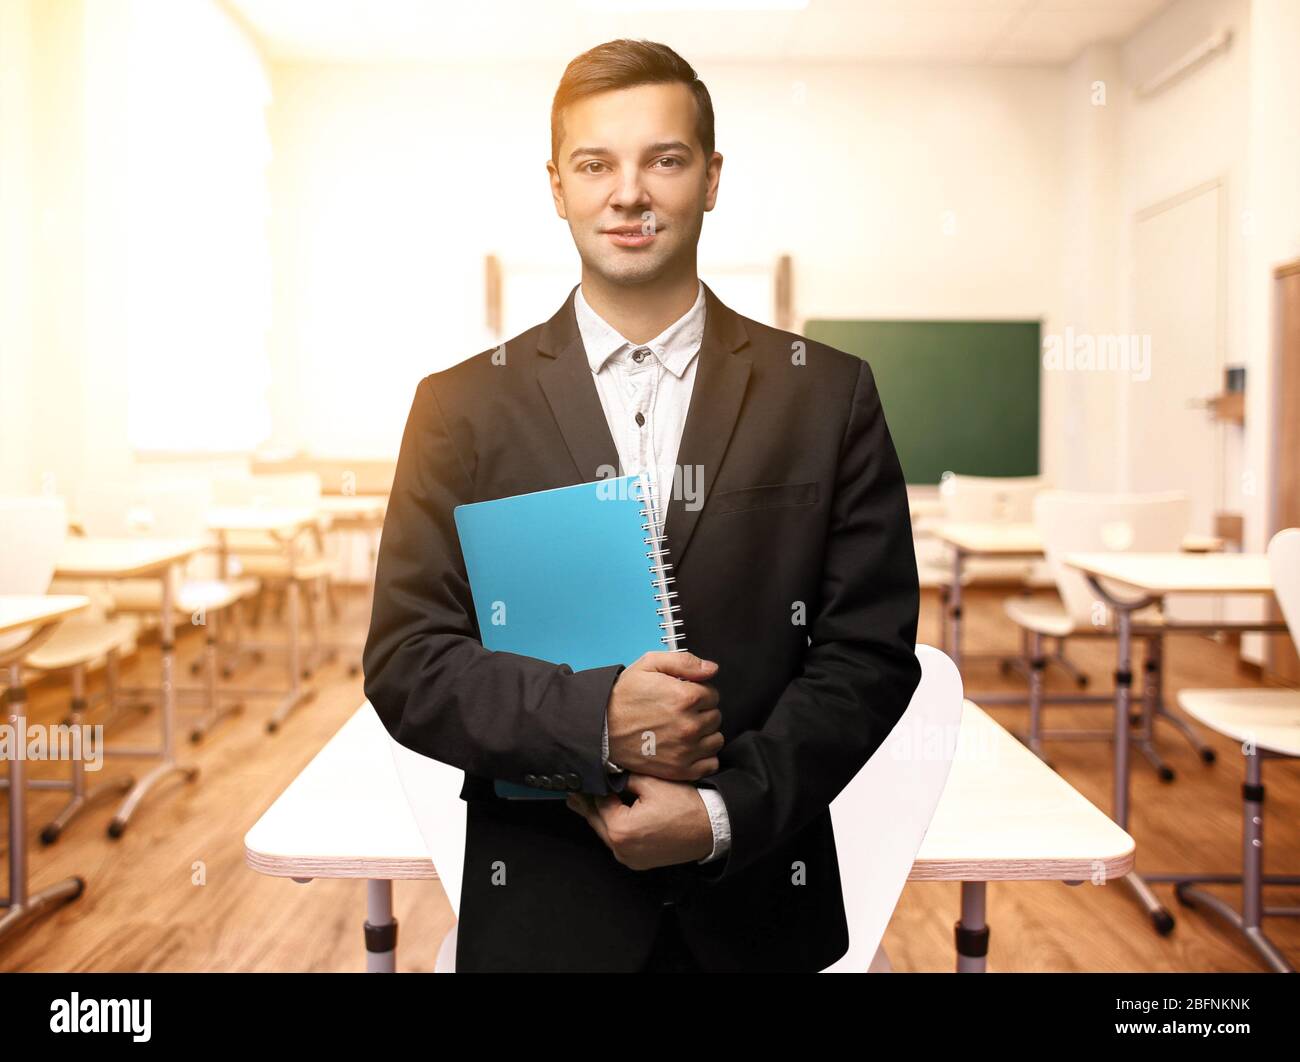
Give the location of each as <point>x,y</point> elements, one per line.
<point>629,236</point>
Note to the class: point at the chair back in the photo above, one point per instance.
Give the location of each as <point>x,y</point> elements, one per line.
<point>280,489</point>
<point>881,817</point>
<point>433,790</point>
<point>1284,568</point>
<point>990,499</point>
<point>1082,522</point>
<point>171,508</point>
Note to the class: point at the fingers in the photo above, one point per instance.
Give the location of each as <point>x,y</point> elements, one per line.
<point>680,665</point>
<point>587,808</point>
<point>705,767</point>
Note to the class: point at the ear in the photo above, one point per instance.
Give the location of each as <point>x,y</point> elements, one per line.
<point>557,189</point>
<point>713,175</point>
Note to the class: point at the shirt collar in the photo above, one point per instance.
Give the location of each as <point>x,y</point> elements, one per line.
<point>675,346</point>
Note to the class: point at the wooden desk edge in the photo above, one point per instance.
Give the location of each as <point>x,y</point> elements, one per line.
<point>1113,867</point>
<point>321,867</point>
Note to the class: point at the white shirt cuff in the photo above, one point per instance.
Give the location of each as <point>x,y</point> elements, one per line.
<point>719,820</point>
<point>604,749</point>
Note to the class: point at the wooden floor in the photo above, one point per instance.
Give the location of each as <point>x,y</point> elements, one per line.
<point>174,893</point>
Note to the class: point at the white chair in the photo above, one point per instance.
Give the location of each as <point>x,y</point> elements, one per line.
<point>1267,724</point>
<point>880,818</point>
<point>32,533</point>
<point>1001,500</point>
<point>259,554</point>
<point>1079,522</point>
<point>172,509</point>
<point>990,499</point>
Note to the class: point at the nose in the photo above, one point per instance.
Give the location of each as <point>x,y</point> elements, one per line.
<point>630,192</point>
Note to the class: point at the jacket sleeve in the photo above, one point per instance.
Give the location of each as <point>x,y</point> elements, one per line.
<point>436,688</point>
<point>860,669</point>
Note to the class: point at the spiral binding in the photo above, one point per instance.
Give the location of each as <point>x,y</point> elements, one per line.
<point>660,567</point>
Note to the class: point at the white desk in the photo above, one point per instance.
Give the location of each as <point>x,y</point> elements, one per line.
<point>1147,578</point>
<point>1004,816</point>
<point>1007,541</point>
<point>129,558</point>
<point>44,613</point>
<point>346,816</point>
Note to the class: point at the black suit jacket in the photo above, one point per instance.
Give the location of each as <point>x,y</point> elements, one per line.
<point>797,575</point>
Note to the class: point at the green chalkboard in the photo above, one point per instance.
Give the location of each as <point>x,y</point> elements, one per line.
<point>959,396</point>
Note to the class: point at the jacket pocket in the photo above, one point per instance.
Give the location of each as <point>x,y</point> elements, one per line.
<point>769,496</point>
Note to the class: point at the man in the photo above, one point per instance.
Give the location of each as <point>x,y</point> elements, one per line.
<point>695,834</point>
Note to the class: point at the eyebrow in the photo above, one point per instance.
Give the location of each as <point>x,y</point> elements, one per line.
<point>653,149</point>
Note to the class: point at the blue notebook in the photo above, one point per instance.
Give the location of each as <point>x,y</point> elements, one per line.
<point>576,575</point>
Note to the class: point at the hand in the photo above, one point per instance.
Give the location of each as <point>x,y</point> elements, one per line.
<point>663,719</point>
<point>668,823</point>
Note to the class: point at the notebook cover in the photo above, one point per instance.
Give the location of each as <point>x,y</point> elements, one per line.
<point>563,575</point>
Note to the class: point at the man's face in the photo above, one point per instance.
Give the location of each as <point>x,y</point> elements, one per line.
<point>629,159</point>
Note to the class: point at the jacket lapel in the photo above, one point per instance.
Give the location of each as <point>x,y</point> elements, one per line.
<point>721,377</point>
<point>571,391</point>
<point>720,381</point>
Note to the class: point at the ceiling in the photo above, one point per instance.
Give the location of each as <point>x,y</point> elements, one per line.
<point>963,31</point>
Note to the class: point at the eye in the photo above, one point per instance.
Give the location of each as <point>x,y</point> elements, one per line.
<point>677,163</point>
<point>586,166</point>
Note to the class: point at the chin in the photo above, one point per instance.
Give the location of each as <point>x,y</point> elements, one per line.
<point>630,273</point>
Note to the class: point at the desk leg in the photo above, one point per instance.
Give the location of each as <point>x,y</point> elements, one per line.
<point>1160,916</point>
<point>972,932</point>
<point>296,695</point>
<point>380,928</point>
<point>168,766</point>
<point>24,908</point>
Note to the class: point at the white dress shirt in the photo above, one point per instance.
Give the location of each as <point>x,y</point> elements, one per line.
<point>653,382</point>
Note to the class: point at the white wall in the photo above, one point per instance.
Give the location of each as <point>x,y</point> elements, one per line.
<point>1192,132</point>
<point>1092,107</point>
<point>1231,119</point>
<point>17,252</point>
<point>65,189</point>
<point>899,192</point>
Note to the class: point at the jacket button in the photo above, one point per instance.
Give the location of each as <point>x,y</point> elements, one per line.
<point>575,782</point>
<point>530,779</point>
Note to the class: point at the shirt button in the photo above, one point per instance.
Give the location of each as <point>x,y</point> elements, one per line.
<point>640,419</point>
<point>638,356</point>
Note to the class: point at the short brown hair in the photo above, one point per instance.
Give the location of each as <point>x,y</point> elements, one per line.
<point>622,64</point>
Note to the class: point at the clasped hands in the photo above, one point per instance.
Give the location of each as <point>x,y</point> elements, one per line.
<point>665,730</point>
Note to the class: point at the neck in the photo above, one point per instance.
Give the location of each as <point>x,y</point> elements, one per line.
<point>641,312</point>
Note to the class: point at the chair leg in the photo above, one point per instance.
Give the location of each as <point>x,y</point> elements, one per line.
<point>1068,666</point>
<point>1249,920</point>
<point>326,653</point>
<point>213,713</point>
<point>83,797</point>
<point>1036,667</point>
<point>1019,665</point>
<point>332,601</point>
<point>1162,711</point>
<point>1150,696</point>
<point>233,651</point>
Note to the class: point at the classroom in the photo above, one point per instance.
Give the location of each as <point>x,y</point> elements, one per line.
<point>945,355</point>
